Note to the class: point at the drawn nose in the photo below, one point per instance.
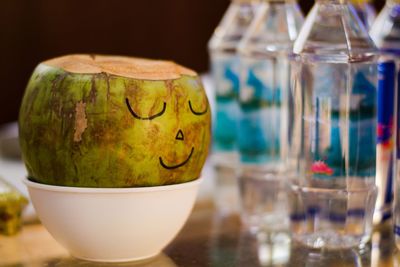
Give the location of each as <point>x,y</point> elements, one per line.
<point>179,135</point>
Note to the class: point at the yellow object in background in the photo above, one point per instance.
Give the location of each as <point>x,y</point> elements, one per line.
<point>12,203</point>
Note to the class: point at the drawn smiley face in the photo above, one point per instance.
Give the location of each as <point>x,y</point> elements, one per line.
<point>177,122</point>
<point>179,135</point>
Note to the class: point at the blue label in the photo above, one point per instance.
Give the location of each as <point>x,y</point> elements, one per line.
<point>230,75</point>
<point>386,79</point>
<point>260,126</point>
<point>328,159</point>
<point>398,116</point>
<point>226,77</point>
<point>226,80</point>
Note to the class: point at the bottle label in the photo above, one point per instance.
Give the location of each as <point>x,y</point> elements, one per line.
<point>342,123</point>
<point>385,139</point>
<point>261,122</point>
<point>226,78</point>
<point>398,121</point>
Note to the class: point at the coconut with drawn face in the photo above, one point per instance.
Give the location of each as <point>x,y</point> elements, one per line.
<point>106,121</point>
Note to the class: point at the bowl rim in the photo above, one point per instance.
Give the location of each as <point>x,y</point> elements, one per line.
<point>111,190</point>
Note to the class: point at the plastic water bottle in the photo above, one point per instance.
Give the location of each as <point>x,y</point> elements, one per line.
<point>225,73</point>
<point>264,132</point>
<point>335,93</point>
<point>365,12</point>
<point>386,33</point>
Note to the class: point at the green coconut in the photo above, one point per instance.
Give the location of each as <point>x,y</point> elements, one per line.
<point>108,121</point>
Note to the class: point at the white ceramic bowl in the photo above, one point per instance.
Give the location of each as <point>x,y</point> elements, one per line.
<point>113,224</point>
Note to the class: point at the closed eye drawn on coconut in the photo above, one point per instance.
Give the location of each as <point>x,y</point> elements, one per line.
<point>142,118</point>
<point>198,113</point>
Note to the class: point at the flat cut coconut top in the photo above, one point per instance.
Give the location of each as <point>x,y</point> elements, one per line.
<point>136,68</point>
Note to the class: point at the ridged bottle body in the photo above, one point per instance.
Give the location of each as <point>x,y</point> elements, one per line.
<point>264,133</point>
<point>224,59</point>
<point>335,77</point>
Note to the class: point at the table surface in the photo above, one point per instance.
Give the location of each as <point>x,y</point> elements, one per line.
<point>208,239</point>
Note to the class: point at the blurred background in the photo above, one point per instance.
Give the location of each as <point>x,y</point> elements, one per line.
<point>35,30</point>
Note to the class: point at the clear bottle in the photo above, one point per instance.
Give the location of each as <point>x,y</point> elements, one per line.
<point>386,33</point>
<point>365,12</point>
<point>264,132</point>
<point>335,78</point>
<point>225,73</point>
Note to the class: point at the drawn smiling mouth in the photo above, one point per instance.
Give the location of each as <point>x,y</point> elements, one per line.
<point>171,167</point>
